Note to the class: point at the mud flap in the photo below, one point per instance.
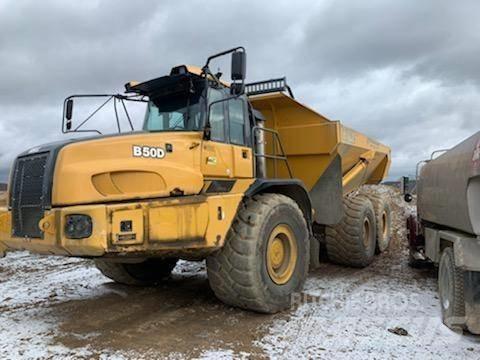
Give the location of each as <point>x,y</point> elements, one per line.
<point>472,301</point>
<point>327,195</point>
<point>3,250</point>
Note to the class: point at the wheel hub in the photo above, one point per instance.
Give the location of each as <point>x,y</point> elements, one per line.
<point>277,253</point>
<point>384,224</point>
<point>281,254</point>
<point>366,232</point>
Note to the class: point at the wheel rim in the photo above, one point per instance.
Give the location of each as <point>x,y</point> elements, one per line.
<point>366,232</point>
<point>281,254</point>
<point>446,287</point>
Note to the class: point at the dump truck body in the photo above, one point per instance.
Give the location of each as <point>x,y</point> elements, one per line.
<point>86,176</point>
<point>330,158</point>
<point>220,171</point>
<point>448,203</point>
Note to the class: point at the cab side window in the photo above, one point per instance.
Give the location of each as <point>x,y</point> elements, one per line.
<point>217,116</point>
<point>236,116</point>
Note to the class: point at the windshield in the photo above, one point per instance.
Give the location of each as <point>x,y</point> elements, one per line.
<point>175,112</point>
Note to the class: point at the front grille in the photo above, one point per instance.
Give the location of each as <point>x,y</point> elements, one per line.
<point>28,195</point>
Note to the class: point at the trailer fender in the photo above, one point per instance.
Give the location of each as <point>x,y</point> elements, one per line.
<point>466,249</point>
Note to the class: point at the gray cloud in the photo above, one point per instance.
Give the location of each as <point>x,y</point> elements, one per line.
<point>403,72</point>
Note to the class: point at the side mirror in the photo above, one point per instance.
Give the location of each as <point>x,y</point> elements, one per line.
<point>408,198</point>
<point>239,65</point>
<point>69,113</point>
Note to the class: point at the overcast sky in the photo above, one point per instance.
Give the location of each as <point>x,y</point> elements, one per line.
<point>404,72</point>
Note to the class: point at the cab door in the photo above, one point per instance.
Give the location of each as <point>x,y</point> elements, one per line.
<point>239,135</point>
<point>227,154</point>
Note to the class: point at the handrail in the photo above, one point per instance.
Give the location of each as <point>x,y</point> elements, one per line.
<point>274,157</point>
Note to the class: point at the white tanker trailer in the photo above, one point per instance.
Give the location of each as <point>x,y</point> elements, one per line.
<point>446,230</point>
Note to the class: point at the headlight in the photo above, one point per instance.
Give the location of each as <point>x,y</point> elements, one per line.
<point>78,226</point>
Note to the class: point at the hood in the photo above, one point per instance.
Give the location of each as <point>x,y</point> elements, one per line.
<point>128,166</point>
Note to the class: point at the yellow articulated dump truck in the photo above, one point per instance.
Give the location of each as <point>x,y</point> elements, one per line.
<point>239,174</point>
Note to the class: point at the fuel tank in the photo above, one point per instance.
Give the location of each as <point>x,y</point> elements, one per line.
<point>449,188</point>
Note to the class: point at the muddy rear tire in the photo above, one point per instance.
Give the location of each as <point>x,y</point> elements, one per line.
<point>146,273</point>
<point>265,257</point>
<point>352,241</point>
<point>451,291</point>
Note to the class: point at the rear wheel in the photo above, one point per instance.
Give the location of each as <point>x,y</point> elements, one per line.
<point>352,241</point>
<point>383,218</point>
<point>148,272</point>
<point>451,291</point>
<point>265,256</point>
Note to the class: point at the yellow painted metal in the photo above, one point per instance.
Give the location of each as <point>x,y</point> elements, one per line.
<point>174,225</point>
<point>282,253</point>
<point>104,169</point>
<point>311,142</point>
<point>5,222</point>
<point>181,222</point>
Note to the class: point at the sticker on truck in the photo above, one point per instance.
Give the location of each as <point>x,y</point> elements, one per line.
<point>148,152</point>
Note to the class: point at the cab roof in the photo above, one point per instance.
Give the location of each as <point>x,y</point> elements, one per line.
<point>176,81</point>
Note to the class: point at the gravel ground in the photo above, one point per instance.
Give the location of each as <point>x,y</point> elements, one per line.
<point>53,307</point>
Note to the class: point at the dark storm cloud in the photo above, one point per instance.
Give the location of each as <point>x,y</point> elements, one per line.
<point>437,40</point>
<point>403,72</point>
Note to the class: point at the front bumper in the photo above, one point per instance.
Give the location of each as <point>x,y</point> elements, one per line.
<point>187,226</point>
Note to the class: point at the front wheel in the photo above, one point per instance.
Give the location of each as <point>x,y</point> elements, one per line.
<point>265,257</point>
<point>145,273</point>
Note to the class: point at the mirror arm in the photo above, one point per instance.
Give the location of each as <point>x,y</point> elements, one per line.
<point>223,53</point>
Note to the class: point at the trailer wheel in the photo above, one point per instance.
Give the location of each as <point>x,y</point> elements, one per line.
<point>352,241</point>
<point>265,256</point>
<point>148,272</point>
<point>451,291</point>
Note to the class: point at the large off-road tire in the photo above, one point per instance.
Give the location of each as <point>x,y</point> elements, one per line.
<point>451,291</point>
<point>383,220</point>
<point>265,257</point>
<point>352,241</point>
<point>146,273</point>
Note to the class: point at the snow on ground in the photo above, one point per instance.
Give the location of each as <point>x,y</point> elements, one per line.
<point>54,307</point>
<point>343,314</point>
